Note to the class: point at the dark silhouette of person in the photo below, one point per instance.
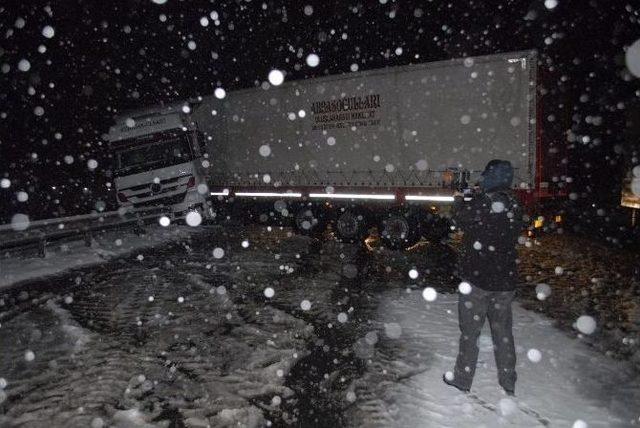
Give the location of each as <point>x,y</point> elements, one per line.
<point>491,223</point>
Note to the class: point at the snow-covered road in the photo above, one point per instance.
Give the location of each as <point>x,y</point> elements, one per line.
<point>252,327</point>
<point>403,387</point>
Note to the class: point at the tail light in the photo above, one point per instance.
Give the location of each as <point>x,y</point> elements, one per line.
<point>122,197</point>
<point>191,183</point>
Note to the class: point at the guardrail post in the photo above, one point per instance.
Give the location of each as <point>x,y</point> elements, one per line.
<point>42,251</point>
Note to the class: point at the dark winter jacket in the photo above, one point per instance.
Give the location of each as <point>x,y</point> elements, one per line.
<point>491,223</point>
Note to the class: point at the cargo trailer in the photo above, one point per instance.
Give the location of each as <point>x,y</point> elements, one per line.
<point>383,148</point>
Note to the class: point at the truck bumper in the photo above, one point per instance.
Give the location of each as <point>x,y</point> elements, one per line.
<point>193,201</point>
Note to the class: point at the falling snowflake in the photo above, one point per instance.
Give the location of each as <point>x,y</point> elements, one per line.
<point>193,218</point>
<point>48,31</point>
<point>218,253</point>
<point>97,423</point>
<point>24,65</point>
<point>497,207</point>
<point>20,222</point>
<point>543,291</point>
<point>220,93</point>
<point>507,406</point>
<point>464,287</point>
<point>276,77</point>
<point>313,60</point>
<point>429,294</point>
<point>534,355</point>
<point>393,330</point>
<point>264,150</point>
<point>586,324</point>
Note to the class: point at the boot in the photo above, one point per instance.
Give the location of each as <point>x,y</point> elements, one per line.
<point>451,383</point>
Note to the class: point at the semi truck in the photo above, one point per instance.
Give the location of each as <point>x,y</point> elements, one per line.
<point>157,161</point>
<point>383,148</point>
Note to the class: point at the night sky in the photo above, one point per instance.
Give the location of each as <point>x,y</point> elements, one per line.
<point>106,57</point>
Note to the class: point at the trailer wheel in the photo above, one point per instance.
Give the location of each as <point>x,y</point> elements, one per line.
<point>350,226</point>
<point>399,230</point>
<point>309,222</point>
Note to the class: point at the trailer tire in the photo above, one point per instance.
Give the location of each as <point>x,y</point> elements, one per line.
<point>350,226</point>
<point>309,221</point>
<point>399,230</point>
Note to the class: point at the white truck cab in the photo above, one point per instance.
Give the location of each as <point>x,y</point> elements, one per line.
<point>158,159</point>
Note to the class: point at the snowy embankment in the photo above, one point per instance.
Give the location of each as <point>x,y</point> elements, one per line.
<point>569,276</point>
<point>561,382</point>
<point>61,257</point>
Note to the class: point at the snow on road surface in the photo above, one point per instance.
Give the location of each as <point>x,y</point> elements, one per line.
<point>248,327</point>
<point>403,384</point>
<point>61,257</point>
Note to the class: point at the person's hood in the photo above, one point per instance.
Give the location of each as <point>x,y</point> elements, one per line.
<point>497,175</point>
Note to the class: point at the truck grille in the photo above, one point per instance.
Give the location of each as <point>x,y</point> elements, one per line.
<point>175,199</point>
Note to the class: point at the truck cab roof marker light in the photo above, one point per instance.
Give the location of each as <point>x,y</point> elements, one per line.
<point>430,198</point>
<point>225,192</point>
<point>386,197</point>
<point>269,194</point>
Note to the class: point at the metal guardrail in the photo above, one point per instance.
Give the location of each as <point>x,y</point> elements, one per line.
<point>41,232</point>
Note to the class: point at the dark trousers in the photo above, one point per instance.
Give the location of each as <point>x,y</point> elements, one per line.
<point>473,308</point>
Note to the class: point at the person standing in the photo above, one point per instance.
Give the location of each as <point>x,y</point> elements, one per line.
<point>491,223</point>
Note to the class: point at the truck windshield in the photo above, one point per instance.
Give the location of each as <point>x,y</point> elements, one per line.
<point>169,151</point>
